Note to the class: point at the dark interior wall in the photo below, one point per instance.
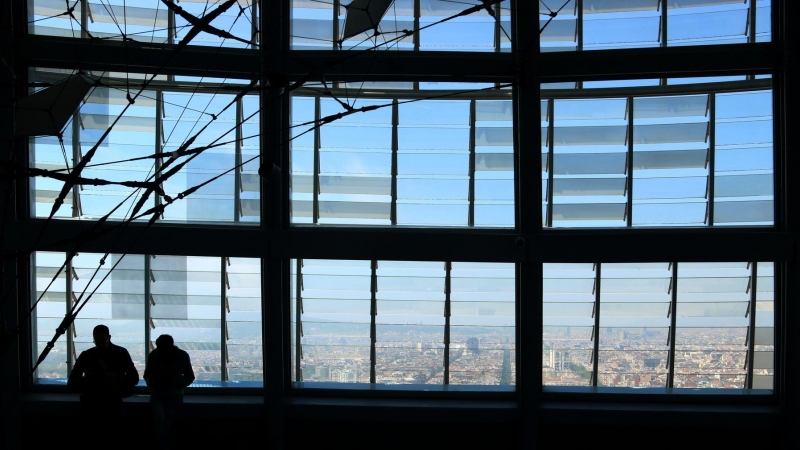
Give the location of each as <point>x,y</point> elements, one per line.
<point>205,425</point>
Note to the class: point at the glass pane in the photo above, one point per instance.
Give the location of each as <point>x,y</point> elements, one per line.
<point>316,26</point>
<point>243,319</point>
<point>744,190</point>
<point>185,115</point>
<point>46,17</point>
<point>117,302</point>
<point>474,32</point>
<point>409,346</point>
<point>332,299</point>
<point>187,293</point>
<point>620,24</point>
<point>49,313</point>
<point>421,163</point>
<point>494,166</point>
<point>589,163</point>
<point>482,350</point>
<point>433,162</point>
<point>143,21</point>
<point>686,149</point>
<point>670,154</point>
<point>613,24</point>
<point>764,338</point>
<point>188,120</point>
<point>568,319</point>
<point>560,32</point>
<point>707,22</point>
<point>634,325</point>
<point>240,20</point>
<point>712,325</point>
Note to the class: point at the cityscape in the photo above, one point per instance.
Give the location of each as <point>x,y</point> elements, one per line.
<point>704,358</point>
<point>407,355</point>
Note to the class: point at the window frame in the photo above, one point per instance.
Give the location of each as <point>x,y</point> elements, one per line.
<point>527,244</point>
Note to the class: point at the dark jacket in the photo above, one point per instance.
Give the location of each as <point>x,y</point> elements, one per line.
<point>103,373</point>
<point>168,373</point>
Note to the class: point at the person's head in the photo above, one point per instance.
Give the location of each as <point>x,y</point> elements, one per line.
<point>165,343</point>
<point>102,337</point>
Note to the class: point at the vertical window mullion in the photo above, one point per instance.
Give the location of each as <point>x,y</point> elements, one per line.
<point>373,331</point>
<point>317,144</point>
<point>84,18</point>
<point>550,162</point>
<point>254,33</point>
<point>664,18</point>
<point>712,127</point>
<point>596,330</point>
<point>223,329</point>
<point>159,138</point>
<point>497,28</point>
<point>447,311</point>
<point>471,195</point>
<point>395,149</point>
<point>630,163</point>
<point>751,331</point>
<point>76,159</point>
<point>237,179</point>
<point>148,304</point>
<point>673,331</point>
<point>298,333</point>
<point>751,19</point>
<point>417,13</point>
<point>579,25</point>
<point>335,40</point>
<point>68,310</point>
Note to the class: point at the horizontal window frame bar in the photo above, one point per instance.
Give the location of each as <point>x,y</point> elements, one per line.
<point>43,51</point>
<point>643,245</point>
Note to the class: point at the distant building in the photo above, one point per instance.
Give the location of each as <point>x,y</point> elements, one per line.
<point>472,345</point>
<point>559,360</point>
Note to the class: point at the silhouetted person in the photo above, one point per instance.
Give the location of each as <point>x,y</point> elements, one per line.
<point>167,372</point>
<point>103,375</point>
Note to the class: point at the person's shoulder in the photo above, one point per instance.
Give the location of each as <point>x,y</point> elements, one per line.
<point>182,352</point>
<point>88,353</point>
<point>118,348</point>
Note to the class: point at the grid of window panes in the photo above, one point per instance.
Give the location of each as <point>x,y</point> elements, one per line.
<point>658,160</point>
<point>656,155</point>
<point>143,21</point>
<point>602,24</point>
<point>659,325</point>
<point>320,26</point>
<point>159,122</point>
<point>403,322</point>
<point>409,162</point>
<point>210,306</point>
